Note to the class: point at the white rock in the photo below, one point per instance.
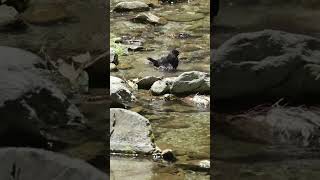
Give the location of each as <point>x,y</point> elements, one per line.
<point>119,91</point>
<point>130,132</point>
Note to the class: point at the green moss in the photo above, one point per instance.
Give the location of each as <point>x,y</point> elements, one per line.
<point>119,49</point>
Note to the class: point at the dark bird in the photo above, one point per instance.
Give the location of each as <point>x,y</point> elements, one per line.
<point>170,62</point>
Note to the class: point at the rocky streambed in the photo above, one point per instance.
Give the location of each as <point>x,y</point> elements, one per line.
<point>171,139</point>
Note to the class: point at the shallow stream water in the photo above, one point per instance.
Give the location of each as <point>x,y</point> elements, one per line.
<point>176,125</point>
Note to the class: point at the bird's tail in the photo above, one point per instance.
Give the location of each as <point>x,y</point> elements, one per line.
<point>154,62</point>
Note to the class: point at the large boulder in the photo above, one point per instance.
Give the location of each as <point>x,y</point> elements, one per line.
<point>192,82</point>
<point>267,64</point>
<point>27,163</point>
<point>30,103</point>
<point>119,92</point>
<point>130,132</point>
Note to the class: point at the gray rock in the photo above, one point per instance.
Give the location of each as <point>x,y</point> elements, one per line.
<point>148,18</point>
<point>128,40</point>
<point>130,133</point>
<point>25,88</point>
<point>267,64</point>
<point>169,97</point>
<point>113,57</point>
<point>7,15</point>
<point>162,86</point>
<point>45,165</point>
<point>205,164</point>
<point>119,92</point>
<point>131,6</point>
<point>168,155</point>
<point>201,101</point>
<point>147,82</point>
<point>192,82</point>
<point>134,47</point>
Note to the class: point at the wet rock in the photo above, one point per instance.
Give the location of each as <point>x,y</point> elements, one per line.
<point>27,89</point>
<point>132,83</point>
<point>130,133</point>
<point>16,164</point>
<point>148,18</point>
<point>113,67</point>
<point>200,101</point>
<point>8,15</point>
<point>276,125</point>
<point>192,166</point>
<point>113,60</point>
<point>205,164</point>
<point>147,82</point>
<point>127,40</point>
<point>267,65</point>
<point>169,97</point>
<point>183,35</point>
<point>130,43</point>
<point>162,86</point>
<point>134,48</point>
<point>131,6</point>
<point>45,13</point>
<point>168,155</point>
<point>113,57</point>
<point>192,82</point>
<point>119,92</point>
